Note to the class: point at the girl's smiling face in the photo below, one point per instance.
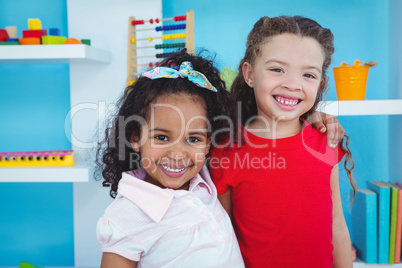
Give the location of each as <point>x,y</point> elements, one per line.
<point>286,76</point>
<point>175,141</point>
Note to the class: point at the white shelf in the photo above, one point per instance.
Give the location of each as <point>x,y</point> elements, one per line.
<point>49,54</point>
<point>375,265</point>
<point>46,174</point>
<point>363,107</point>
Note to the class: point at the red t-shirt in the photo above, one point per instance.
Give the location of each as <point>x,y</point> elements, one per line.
<point>281,197</point>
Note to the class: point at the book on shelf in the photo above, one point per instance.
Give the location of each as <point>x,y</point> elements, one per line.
<point>398,234</point>
<point>383,191</point>
<point>392,222</point>
<point>364,225</point>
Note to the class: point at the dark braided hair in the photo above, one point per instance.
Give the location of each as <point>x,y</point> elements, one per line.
<point>114,151</point>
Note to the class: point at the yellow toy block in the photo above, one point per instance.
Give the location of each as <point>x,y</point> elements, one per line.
<point>47,159</point>
<point>12,31</point>
<point>34,24</point>
<point>53,40</point>
<point>21,161</point>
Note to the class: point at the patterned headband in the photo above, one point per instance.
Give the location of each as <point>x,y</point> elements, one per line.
<point>186,70</point>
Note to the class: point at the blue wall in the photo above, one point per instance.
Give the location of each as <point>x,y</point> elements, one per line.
<point>361,32</point>
<point>36,218</point>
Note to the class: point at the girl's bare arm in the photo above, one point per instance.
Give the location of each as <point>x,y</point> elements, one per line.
<point>226,201</point>
<point>340,234</point>
<point>111,260</point>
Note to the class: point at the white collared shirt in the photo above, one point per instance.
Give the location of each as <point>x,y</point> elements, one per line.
<point>169,228</point>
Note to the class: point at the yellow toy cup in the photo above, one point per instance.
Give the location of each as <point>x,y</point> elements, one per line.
<point>351,80</point>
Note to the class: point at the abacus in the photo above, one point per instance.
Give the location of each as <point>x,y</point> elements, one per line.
<point>135,44</point>
<point>37,159</point>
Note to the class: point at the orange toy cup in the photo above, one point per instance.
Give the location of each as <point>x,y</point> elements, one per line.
<point>351,80</point>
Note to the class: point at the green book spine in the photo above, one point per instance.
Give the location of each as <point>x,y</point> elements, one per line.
<point>392,223</point>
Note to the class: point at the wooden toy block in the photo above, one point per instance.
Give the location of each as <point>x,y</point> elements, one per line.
<point>86,41</point>
<point>53,40</point>
<point>8,43</point>
<point>54,31</point>
<point>34,24</point>
<point>12,40</point>
<point>3,35</point>
<point>12,31</point>
<point>34,33</point>
<point>29,41</point>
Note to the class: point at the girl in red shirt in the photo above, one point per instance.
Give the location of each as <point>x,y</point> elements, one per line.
<point>281,182</point>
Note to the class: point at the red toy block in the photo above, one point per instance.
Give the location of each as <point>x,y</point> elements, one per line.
<point>34,33</point>
<point>3,35</point>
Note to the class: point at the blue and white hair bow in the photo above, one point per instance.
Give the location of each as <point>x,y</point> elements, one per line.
<point>186,70</point>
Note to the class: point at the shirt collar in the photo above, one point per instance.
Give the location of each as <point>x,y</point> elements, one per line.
<point>201,179</point>
<point>151,199</point>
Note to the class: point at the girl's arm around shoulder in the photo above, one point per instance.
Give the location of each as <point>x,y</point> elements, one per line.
<point>340,234</point>
<point>327,123</point>
<point>226,201</point>
<point>111,260</point>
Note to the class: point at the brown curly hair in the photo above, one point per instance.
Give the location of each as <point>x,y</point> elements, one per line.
<point>264,29</point>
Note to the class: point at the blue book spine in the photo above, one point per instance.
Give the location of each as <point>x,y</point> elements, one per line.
<point>364,225</point>
<point>383,200</point>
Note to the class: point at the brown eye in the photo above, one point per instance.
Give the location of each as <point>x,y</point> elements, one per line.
<point>161,138</point>
<point>277,70</point>
<point>193,140</point>
<point>310,76</point>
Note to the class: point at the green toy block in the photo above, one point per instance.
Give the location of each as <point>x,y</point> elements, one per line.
<point>8,43</point>
<point>27,265</point>
<point>228,75</point>
<point>53,40</point>
<point>86,41</point>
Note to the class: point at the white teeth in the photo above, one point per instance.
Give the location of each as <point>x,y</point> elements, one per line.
<point>286,102</point>
<point>172,169</point>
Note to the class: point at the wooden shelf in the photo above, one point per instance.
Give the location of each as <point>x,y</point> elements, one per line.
<point>50,54</point>
<point>363,107</point>
<point>47,174</point>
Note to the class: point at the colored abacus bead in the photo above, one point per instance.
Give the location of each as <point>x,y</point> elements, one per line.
<point>179,18</point>
<point>151,21</point>
<point>149,39</point>
<point>164,55</point>
<point>170,27</point>
<point>132,40</point>
<point>137,22</point>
